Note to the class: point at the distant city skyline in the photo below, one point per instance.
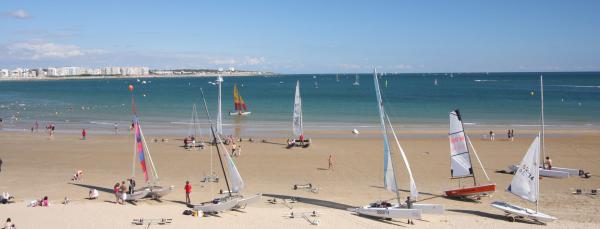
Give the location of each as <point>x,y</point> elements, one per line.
<point>304,36</point>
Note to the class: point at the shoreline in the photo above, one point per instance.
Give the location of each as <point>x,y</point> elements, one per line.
<point>46,78</point>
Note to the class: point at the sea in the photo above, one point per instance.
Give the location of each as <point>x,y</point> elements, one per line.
<point>330,102</point>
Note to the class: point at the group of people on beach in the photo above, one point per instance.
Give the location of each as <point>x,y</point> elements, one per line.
<point>121,190</point>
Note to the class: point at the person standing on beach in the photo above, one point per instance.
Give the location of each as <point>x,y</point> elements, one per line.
<point>116,190</point>
<point>0,164</point>
<point>188,190</point>
<point>83,134</point>
<point>330,162</point>
<point>123,191</point>
<point>116,128</point>
<point>512,135</point>
<point>233,149</point>
<point>36,125</point>
<point>409,204</point>
<point>131,185</point>
<point>9,224</point>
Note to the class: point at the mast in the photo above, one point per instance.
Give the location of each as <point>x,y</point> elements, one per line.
<point>543,142</point>
<point>386,146</point>
<point>219,115</point>
<point>212,130</point>
<point>475,152</point>
<point>465,133</point>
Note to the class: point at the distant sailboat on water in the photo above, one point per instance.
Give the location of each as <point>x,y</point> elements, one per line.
<point>239,105</point>
<point>356,83</point>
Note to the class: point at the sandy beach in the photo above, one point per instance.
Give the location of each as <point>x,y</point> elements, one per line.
<point>36,166</point>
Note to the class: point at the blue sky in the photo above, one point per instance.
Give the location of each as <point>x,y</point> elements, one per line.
<point>304,36</point>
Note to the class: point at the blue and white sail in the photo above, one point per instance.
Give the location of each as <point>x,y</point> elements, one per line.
<point>525,182</point>
<point>460,162</point>
<point>389,178</point>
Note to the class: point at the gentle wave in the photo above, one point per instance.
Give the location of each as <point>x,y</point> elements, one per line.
<point>575,86</point>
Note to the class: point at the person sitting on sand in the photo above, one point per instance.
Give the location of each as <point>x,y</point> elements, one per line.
<point>93,194</point>
<point>5,198</point>
<point>548,163</point>
<point>43,202</point>
<point>9,224</point>
<point>77,176</point>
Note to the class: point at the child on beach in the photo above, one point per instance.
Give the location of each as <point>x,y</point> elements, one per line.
<point>123,192</point>
<point>9,224</point>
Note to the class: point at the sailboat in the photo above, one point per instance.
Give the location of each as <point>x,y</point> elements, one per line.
<point>526,185</point>
<point>384,209</point>
<point>356,83</point>
<point>194,128</point>
<point>240,106</point>
<point>232,199</point>
<point>297,125</point>
<point>460,161</point>
<point>141,150</point>
<point>337,77</point>
<point>555,172</point>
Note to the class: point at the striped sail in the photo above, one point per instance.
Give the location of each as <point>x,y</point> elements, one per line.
<point>460,162</point>
<point>389,179</point>
<point>139,148</point>
<point>297,118</point>
<point>525,182</point>
<point>238,101</point>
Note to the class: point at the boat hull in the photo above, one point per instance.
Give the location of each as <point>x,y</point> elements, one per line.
<point>240,113</point>
<point>389,212</point>
<point>430,209</point>
<point>514,210</point>
<point>157,192</point>
<point>225,204</point>
<point>553,173</point>
<point>479,190</point>
<point>249,200</point>
<point>138,194</point>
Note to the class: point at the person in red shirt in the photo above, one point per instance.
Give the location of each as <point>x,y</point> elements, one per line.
<point>188,190</point>
<point>83,134</point>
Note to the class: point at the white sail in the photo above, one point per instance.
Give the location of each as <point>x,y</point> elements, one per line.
<point>525,182</point>
<point>297,119</point>
<point>389,178</point>
<point>235,179</point>
<point>414,194</point>
<point>460,162</point>
<point>219,114</point>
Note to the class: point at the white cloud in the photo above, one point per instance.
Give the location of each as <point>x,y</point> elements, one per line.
<point>401,67</point>
<point>254,61</point>
<point>19,14</point>
<point>36,50</point>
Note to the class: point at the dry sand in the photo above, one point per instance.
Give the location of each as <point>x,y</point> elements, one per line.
<point>35,166</point>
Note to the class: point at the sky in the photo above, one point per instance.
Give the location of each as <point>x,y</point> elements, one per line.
<point>306,36</point>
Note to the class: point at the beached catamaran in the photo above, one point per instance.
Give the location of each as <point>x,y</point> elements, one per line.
<point>297,125</point>
<point>233,198</point>
<point>140,150</point>
<point>239,105</point>
<point>460,161</point>
<point>555,172</point>
<point>526,185</point>
<point>384,209</point>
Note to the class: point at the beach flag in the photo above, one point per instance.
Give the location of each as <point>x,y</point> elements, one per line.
<point>140,149</point>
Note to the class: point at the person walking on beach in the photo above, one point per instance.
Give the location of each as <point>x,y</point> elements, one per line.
<point>0,164</point>
<point>116,190</point>
<point>116,128</point>
<point>233,149</point>
<point>512,135</point>
<point>409,204</point>
<point>83,134</point>
<point>330,162</point>
<point>188,190</point>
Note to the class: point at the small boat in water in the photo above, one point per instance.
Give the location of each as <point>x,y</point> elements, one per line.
<point>239,105</point>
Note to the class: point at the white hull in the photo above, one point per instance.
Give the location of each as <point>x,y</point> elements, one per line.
<point>249,200</point>
<point>390,212</point>
<point>137,195</point>
<point>157,192</point>
<point>513,210</point>
<point>433,209</point>
<point>572,172</point>
<point>240,113</point>
<point>225,204</point>
<point>554,173</point>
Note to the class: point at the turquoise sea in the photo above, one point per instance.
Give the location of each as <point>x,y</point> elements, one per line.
<point>572,100</point>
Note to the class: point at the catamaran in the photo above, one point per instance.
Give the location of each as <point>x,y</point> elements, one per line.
<point>152,188</point>
<point>384,209</point>
<point>526,185</point>
<point>460,161</point>
<point>232,199</point>
<point>239,105</point>
<point>356,83</point>
<point>554,172</point>
<point>297,125</point>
